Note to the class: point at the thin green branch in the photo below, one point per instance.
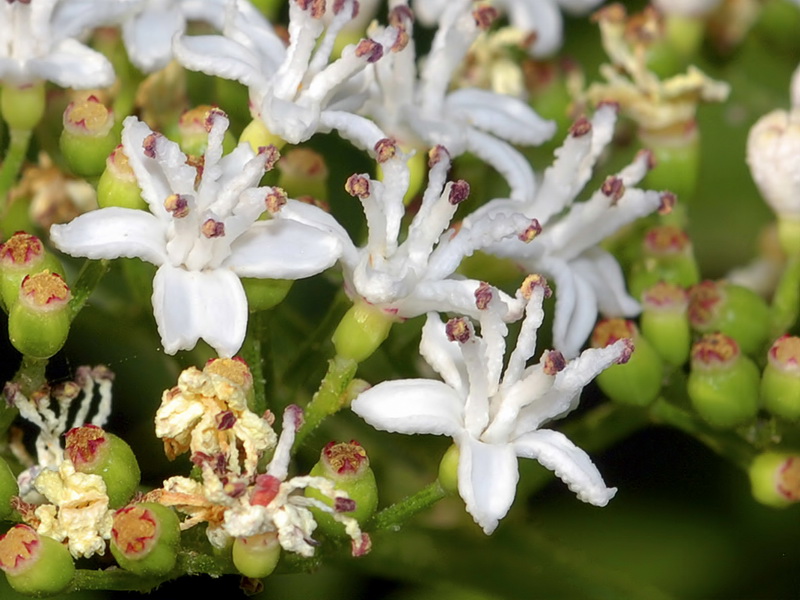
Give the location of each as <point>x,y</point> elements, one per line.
<point>397,514</point>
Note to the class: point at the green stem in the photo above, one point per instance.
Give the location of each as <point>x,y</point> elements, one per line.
<point>397,514</point>
<point>786,300</point>
<point>90,275</point>
<point>253,352</point>
<point>724,443</point>
<point>330,397</point>
<point>12,164</point>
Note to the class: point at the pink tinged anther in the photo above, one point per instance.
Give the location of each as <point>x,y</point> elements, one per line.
<point>613,188</point>
<point>272,154</point>
<point>369,49</point>
<point>212,116</point>
<point>177,205</point>
<point>342,505</point>
<point>385,149</point>
<point>437,154</point>
<point>458,330</point>
<point>361,546</point>
<point>530,232</point>
<point>265,490</point>
<point>212,228</point>
<point>315,7</point>
<point>533,281</point>
<point>358,186</point>
<point>484,16</point>
<point>225,420</point>
<point>459,191</point>
<point>275,200</point>
<point>554,362</point>
<point>149,145</point>
<point>580,127</point>
<point>668,200</point>
<point>483,295</point>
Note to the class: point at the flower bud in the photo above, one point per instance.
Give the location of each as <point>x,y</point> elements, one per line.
<point>263,294</point>
<point>780,382</point>
<point>361,331</point>
<point>8,489</point>
<point>773,154</point>
<point>38,323</point>
<point>257,556</point>
<point>96,452</point>
<point>303,172</point>
<point>258,136</point>
<point>448,470</point>
<point>20,255</point>
<point>636,382</point>
<point>347,465</point>
<point>731,309</point>
<point>35,564</point>
<point>723,384</point>
<point>88,136</point>
<point>117,185</point>
<point>666,256</point>
<point>665,322</point>
<point>775,478</point>
<point>145,538</point>
<point>22,106</point>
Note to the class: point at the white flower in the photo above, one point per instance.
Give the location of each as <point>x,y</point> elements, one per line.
<point>148,34</point>
<point>417,107</point>
<point>539,17</point>
<point>587,278</point>
<point>38,41</point>
<point>686,8</point>
<point>295,91</point>
<point>414,277</point>
<point>494,421</point>
<point>203,233</point>
<point>773,155</point>
<point>795,88</point>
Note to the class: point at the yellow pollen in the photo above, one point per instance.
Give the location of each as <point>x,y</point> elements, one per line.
<point>45,288</point>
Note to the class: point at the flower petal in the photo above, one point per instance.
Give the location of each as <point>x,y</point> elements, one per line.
<point>570,464</point>
<point>148,36</point>
<point>113,233</point>
<point>487,480</point>
<point>283,249</point>
<point>412,406</point>
<point>442,355</point>
<point>221,57</point>
<point>70,64</point>
<point>189,305</point>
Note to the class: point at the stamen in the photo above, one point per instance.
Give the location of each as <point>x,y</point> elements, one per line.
<point>458,330</point>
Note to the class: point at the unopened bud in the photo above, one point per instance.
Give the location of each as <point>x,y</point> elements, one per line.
<point>263,294</point>
<point>22,106</point>
<point>117,185</point>
<point>35,564</point>
<point>361,331</point>
<point>723,384</point>
<point>88,136</point>
<point>21,255</point>
<point>303,172</point>
<point>667,255</point>
<point>775,478</point>
<point>38,323</point>
<point>257,556</point>
<point>636,382</point>
<point>780,382</point>
<point>665,321</point>
<point>97,452</point>
<point>145,538</point>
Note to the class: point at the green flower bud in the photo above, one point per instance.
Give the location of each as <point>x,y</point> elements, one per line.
<point>303,172</point>
<point>723,384</point>
<point>258,136</point>
<point>38,323</point>
<point>117,185</point>
<point>257,556</point>
<point>145,538</point>
<point>193,127</point>
<point>96,452</point>
<point>775,478</point>
<point>22,106</point>
<point>347,465</point>
<point>35,564</point>
<point>361,331</point>
<point>731,309</point>
<point>780,382</point>
<point>88,136</point>
<point>666,256</point>
<point>8,489</point>
<point>21,255</point>
<point>665,322</point>
<point>677,159</point>
<point>263,294</point>
<point>637,380</point>
<point>448,470</point>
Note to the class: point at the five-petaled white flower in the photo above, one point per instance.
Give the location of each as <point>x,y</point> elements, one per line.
<point>587,278</point>
<point>38,41</point>
<point>414,277</point>
<point>494,421</point>
<point>295,91</point>
<point>203,233</point>
<point>417,107</point>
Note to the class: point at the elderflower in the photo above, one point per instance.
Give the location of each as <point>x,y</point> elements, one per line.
<point>203,232</point>
<point>588,279</point>
<point>416,106</point>
<point>494,420</point>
